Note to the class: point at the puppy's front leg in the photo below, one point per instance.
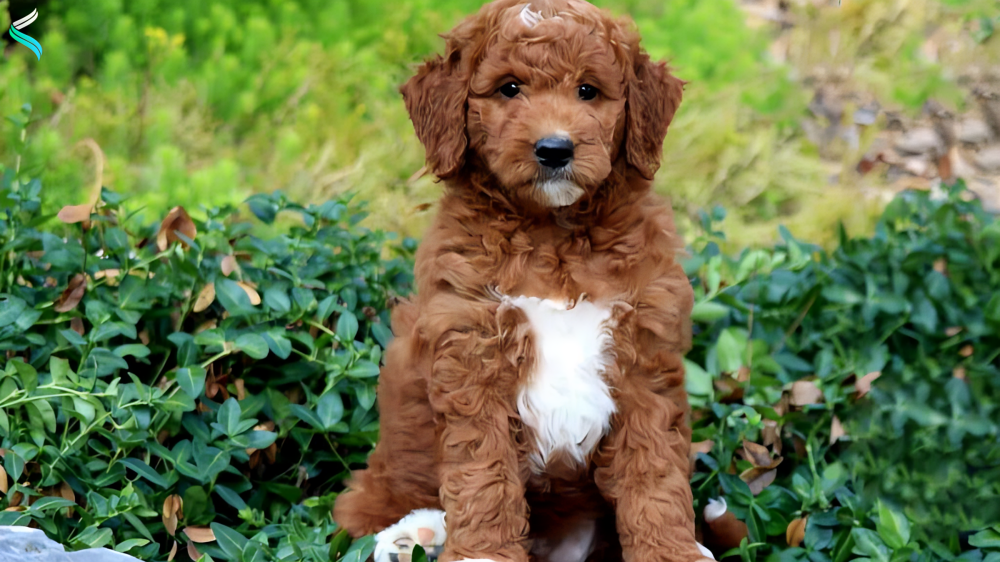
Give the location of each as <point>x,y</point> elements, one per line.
<point>473,387</point>
<point>641,474</point>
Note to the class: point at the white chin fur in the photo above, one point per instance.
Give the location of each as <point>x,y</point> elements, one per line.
<point>559,192</point>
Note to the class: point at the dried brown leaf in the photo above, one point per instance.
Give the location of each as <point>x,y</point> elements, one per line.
<point>796,532</point>
<point>251,292</point>
<point>193,553</point>
<point>805,393</point>
<point>864,384</point>
<point>199,534</point>
<point>205,298</point>
<point>73,294</point>
<point>173,552</point>
<point>758,478</point>
<point>177,220</point>
<point>836,430</point>
<point>757,455</point>
<point>966,350</point>
<point>229,265</point>
<point>241,392</point>
<point>4,486</point>
<point>110,274</point>
<point>958,373</point>
<point>72,214</point>
<point>76,324</point>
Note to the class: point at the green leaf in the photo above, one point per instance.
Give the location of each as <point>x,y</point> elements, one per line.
<point>892,526</point>
<point>382,333</point>
<point>363,369</point>
<point>93,537</point>
<point>277,300</point>
<point>347,327</point>
<point>253,345</point>
<point>307,415</point>
<point>229,496</point>
<point>134,349</point>
<point>51,504</point>
<point>708,312</point>
<point>230,541</point>
<point>85,409</point>
<point>330,409</point>
<point>192,381</point>
<point>729,351</point>
<point>13,463</point>
<point>11,309</point>
<point>61,372</point>
<point>40,412</point>
<point>144,470</point>
<point>989,538</point>
<point>868,543</point>
<point>697,381</point>
<point>279,344</point>
<point>360,549</point>
<point>26,373</point>
<point>229,416</point>
<point>129,544</point>
<point>233,298</point>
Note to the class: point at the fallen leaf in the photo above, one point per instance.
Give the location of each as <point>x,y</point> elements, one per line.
<point>173,552</point>
<point>172,511</point>
<point>796,532</point>
<point>701,447</point>
<point>229,265</point>
<point>241,392</point>
<point>206,326</point>
<point>3,481</point>
<point>757,455</point>
<point>110,274</point>
<point>958,373</point>
<point>864,384</point>
<point>73,294</point>
<point>251,292</point>
<point>76,324</point>
<point>953,331</point>
<point>199,534</point>
<point>966,351</point>
<point>66,492</point>
<point>836,430</point>
<point>205,298</point>
<point>758,478</point>
<point>193,553</point>
<point>771,434</point>
<point>177,220</point>
<point>71,214</point>
<point>805,393</point>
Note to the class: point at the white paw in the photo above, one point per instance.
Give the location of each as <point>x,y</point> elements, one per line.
<point>708,553</point>
<point>422,526</point>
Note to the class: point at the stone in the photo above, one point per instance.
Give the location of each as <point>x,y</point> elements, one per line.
<point>21,544</point>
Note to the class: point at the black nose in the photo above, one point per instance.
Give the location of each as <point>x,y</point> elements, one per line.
<point>554,152</point>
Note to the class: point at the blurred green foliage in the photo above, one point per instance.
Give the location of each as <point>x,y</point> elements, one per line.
<point>206,102</point>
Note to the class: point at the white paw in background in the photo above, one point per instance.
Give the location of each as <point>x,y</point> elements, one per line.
<point>708,553</point>
<point>422,526</point>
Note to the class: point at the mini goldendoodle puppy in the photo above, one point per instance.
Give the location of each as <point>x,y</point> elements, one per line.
<point>535,389</point>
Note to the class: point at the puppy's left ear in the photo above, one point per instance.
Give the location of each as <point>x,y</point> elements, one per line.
<point>653,97</point>
<point>435,99</point>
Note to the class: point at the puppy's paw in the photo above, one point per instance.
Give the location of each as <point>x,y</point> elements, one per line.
<point>706,552</point>
<point>422,526</point>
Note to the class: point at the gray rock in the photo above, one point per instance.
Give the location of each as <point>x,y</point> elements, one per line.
<point>21,544</point>
<point>973,131</point>
<point>920,141</point>
<point>988,158</point>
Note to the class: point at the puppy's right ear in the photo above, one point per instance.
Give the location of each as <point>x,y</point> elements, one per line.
<point>435,99</point>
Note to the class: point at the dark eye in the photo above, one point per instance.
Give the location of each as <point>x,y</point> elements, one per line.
<point>510,90</point>
<point>587,92</point>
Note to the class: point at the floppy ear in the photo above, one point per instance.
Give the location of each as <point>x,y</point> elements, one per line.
<point>435,99</point>
<point>653,97</point>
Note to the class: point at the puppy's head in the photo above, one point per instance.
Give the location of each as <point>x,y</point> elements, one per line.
<point>547,95</point>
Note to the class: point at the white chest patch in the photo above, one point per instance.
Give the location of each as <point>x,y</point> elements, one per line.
<point>566,401</point>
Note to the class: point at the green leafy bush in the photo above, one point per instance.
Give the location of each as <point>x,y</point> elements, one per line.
<point>791,341</point>
<point>194,384</point>
<point>192,361</point>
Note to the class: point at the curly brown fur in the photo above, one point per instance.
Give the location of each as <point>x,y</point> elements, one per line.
<point>452,436</point>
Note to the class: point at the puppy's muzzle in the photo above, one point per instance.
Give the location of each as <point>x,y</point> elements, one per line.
<point>554,152</point>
